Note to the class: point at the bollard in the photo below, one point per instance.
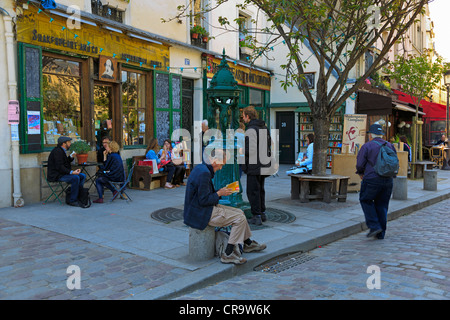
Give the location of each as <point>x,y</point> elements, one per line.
<point>430,180</point>
<point>202,243</point>
<point>400,188</point>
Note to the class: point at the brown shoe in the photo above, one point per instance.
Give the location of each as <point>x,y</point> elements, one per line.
<point>232,258</point>
<point>254,247</point>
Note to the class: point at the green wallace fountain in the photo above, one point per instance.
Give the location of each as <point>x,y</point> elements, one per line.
<point>223,116</point>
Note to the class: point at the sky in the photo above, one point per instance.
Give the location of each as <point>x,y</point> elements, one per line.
<point>440,15</point>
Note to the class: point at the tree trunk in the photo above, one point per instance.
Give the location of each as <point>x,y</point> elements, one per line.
<point>321,140</point>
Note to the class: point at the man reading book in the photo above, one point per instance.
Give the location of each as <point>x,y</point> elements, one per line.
<point>202,208</point>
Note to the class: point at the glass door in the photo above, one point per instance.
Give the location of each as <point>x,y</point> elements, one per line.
<point>103,120</point>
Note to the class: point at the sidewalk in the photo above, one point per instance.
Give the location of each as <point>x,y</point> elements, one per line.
<point>127,227</point>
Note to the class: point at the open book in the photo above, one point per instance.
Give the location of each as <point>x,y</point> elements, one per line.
<point>234,186</point>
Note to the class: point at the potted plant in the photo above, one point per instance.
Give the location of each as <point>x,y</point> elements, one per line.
<point>205,37</point>
<point>197,31</point>
<point>245,48</point>
<point>81,149</point>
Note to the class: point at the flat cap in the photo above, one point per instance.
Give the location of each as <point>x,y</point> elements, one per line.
<point>61,140</point>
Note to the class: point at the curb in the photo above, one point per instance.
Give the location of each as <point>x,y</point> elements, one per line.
<point>217,272</point>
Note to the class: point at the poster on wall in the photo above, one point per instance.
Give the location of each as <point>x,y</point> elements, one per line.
<point>13,112</point>
<point>354,134</point>
<point>108,68</point>
<point>34,122</point>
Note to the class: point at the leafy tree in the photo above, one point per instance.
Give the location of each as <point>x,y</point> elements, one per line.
<point>338,33</point>
<point>418,76</point>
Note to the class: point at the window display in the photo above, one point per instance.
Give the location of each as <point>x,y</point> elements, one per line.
<point>61,99</point>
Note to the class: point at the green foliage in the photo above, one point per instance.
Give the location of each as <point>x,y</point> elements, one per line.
<point>198,29</point>
<point>80,147</point>
<point>418,75</point>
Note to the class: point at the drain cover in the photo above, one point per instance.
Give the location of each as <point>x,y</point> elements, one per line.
<point>170,214</point>
<point>285,262</point>
<point>167,215</point>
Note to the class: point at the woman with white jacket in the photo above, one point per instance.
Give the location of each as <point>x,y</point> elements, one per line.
<point>304,162</point>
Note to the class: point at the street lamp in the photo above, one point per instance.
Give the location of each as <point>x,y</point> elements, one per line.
<point>447,84</point>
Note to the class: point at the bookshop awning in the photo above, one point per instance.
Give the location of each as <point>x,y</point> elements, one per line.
<point>406,108</point>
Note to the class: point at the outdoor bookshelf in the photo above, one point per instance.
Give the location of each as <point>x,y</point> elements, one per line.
<point>334,137</point>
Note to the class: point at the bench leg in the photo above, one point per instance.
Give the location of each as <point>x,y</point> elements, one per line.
<point>295,188</point>
<point>304,191</point>
<point>326,187</point>
<point>342,196</point>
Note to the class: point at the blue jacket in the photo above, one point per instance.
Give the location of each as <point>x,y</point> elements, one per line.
<point>367,158</point>
<point>200,197</point>
<point>114,165</point>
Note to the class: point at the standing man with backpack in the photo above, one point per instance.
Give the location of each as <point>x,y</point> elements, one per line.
<point>377,165</point>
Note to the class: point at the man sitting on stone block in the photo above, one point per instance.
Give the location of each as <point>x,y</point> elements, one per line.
<point>202,208</point>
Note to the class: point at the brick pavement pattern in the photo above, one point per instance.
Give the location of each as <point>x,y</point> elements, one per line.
<point>34,262</point>
<point>414,260</point>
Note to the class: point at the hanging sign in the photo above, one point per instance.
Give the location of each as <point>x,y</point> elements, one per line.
<point>354,135</point>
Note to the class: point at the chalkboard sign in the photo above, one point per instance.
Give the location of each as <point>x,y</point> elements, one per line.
<point>162,91</point>
<point>162,126</point>
<point>30,60</point>
<point>33,72</point>
<point>176,92</point>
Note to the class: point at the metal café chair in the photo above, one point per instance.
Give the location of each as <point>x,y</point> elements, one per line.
<point>57,188</point>
<point>120,186</point>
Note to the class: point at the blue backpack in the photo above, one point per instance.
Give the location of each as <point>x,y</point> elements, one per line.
<point>387,161</point>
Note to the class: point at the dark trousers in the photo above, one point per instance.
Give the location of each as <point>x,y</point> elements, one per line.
<point>101,183</point>
<point>374,199</point>
<point>256,194</point>
<point>76,181</point>
<point>170,169</point>
<point>178,175</point>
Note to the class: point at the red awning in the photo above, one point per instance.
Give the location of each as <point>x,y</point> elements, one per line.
<point>431,109</point>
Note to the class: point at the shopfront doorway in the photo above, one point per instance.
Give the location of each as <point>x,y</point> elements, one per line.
<point>286,125</point>
<point>103,111</point>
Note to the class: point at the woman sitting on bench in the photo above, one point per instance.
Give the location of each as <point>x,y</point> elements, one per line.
<point>304,162</point>
<point>175,172</point>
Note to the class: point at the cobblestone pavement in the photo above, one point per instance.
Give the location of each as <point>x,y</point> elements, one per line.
<point>413,260</point>
<point>34,263</point>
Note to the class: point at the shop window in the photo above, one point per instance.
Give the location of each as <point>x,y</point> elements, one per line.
<point>133,108</point>
<point>61,84</point>
<point>103,9</point>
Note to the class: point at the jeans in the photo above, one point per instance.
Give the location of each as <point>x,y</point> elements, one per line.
<point>374,198</point>
<point>76,182</point>
<point>102,182</point>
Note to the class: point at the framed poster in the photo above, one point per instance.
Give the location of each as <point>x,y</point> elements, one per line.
<point>354,134</point>
<point>108,69</point>
<point>34,122</point>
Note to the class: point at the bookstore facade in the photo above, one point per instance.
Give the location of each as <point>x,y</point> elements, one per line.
<point>88,83</point>
<point>91,82</point>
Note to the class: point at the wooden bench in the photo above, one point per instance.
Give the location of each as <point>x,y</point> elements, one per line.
<point>142,178</point>
<point>308,187</point>
<point>419,166</point>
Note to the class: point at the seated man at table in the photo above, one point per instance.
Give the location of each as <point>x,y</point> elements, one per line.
<point>60,169</point>
<point>442,142</point>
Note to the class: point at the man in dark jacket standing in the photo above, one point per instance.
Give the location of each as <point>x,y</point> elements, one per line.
<point>202,208</point>
<point>257,157</point>
<point>60,169</point>
<point>375,190</point>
